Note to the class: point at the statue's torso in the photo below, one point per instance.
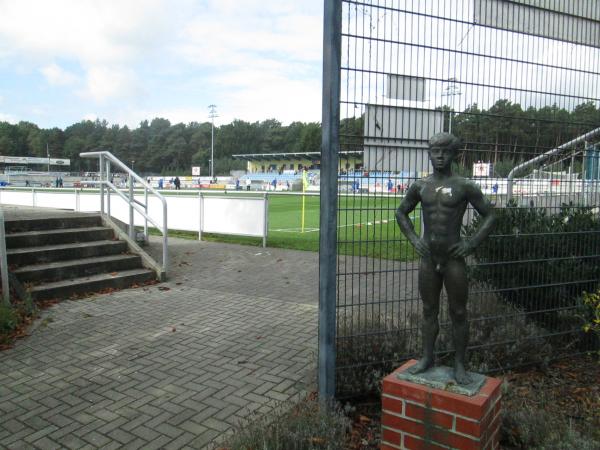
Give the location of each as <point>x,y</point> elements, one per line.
<point>443,202</point>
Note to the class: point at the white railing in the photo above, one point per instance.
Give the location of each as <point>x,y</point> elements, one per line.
<point>3,262</point>
<point>106,161</point>
<point>538,159</point>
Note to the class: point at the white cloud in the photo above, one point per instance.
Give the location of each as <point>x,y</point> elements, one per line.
<point>56,75</point>
<point>256,59</point>
<point>103,83</point>
<point>88,31</point>
<point>7,118</point>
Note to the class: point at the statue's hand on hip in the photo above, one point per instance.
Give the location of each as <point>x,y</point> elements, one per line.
<point>461,249</point>
<point>422,248</point>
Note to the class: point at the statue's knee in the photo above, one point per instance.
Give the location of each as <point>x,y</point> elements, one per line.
<point>458,316</point>
<point>430,314</point>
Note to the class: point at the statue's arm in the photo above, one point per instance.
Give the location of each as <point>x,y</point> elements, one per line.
<point>408,205</point>
<point>485,209</point>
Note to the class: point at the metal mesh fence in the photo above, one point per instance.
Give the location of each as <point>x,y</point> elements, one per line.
<point>518,83</point>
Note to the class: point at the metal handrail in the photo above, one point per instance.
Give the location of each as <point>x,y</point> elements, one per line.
<point>106,159</point>
<point>3,262</point>
<point>543,156</point>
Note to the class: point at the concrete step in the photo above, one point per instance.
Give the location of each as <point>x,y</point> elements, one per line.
<point>40,238</point>
<point>61,252</point>
<point>60,270</point>
<point>88,284</point>
<point>68,221</point>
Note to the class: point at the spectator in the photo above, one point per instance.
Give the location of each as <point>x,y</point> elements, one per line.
<point>248,184</point>
<point>177,183</point>
<point>160,183</point>
<point>274,183</point>
<point>237,184</point>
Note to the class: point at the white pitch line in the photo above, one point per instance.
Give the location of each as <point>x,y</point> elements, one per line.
<point>312,230</point>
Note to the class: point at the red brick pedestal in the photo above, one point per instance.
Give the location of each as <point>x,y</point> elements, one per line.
<point>415,416</point>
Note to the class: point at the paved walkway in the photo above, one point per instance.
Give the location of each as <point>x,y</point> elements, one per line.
<point>171,366</point>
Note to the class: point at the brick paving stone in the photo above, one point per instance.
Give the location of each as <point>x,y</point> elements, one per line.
<point>46,443</point>
<point>204,439</point>
<point>121,436</point>
<point>109,371</point>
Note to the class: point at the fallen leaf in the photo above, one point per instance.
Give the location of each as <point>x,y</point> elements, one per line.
<point>164,288</point>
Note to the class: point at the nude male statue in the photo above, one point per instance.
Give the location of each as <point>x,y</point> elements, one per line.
<point>444,198</point>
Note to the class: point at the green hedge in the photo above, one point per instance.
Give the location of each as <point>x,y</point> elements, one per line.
<point>539,261</point>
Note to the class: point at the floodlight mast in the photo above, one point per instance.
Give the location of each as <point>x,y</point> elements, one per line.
<point>451,91</point>
<point>212,113</point>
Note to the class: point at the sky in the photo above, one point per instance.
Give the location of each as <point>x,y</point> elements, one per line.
<point>124,61</point>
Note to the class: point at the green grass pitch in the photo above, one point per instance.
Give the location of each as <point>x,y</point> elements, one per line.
<point>366,226</point>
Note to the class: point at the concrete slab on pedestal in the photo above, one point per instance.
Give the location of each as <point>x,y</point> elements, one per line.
<point>442,377</point>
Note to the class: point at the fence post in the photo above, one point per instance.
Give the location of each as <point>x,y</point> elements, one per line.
<point>332,26</point>
<point>266,219</point>
<point>33,197</point>
<point>201,212</point>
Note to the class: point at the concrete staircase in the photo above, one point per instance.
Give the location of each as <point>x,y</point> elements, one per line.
<point>57,257</point>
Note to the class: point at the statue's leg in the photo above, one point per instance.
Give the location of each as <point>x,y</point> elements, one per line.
<point>457,287</point>
<point>430,287</point>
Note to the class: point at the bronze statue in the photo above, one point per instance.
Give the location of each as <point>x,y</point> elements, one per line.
<point>444,198</point>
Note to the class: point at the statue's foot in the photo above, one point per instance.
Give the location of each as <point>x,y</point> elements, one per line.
<point>460,374</point>
<point>423,365</point>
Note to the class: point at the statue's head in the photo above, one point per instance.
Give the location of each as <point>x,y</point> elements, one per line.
<point>443,148</point>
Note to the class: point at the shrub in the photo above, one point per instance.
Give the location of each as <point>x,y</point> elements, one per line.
<point>592,303</point>
<point>591,318</point>
<point>305,426</point>
<point>536,429</point>
<point>540,262</point>
<point>371,346</point>
<point>8,319</point>
<point>500,334</point>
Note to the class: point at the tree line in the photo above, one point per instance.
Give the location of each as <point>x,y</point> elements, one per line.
<point>159,147</point>
<point>504,134</point>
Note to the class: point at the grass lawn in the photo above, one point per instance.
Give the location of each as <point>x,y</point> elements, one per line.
<point>366,226</point>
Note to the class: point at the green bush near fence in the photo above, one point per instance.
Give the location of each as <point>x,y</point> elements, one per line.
<point>541,262</point>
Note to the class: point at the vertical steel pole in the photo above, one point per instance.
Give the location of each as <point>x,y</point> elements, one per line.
<point>3,263</point>
<point>108,188</point>
<point>266,219</point>
<point>146,209</point>
<point>102,184</point>
<point>332,27</point>
<point>131,222</point>
<point>201,218</point>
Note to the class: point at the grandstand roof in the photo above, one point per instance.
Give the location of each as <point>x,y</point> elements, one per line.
<point>313,156</point>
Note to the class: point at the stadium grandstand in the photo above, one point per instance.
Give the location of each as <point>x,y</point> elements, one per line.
<point>286,170</point>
